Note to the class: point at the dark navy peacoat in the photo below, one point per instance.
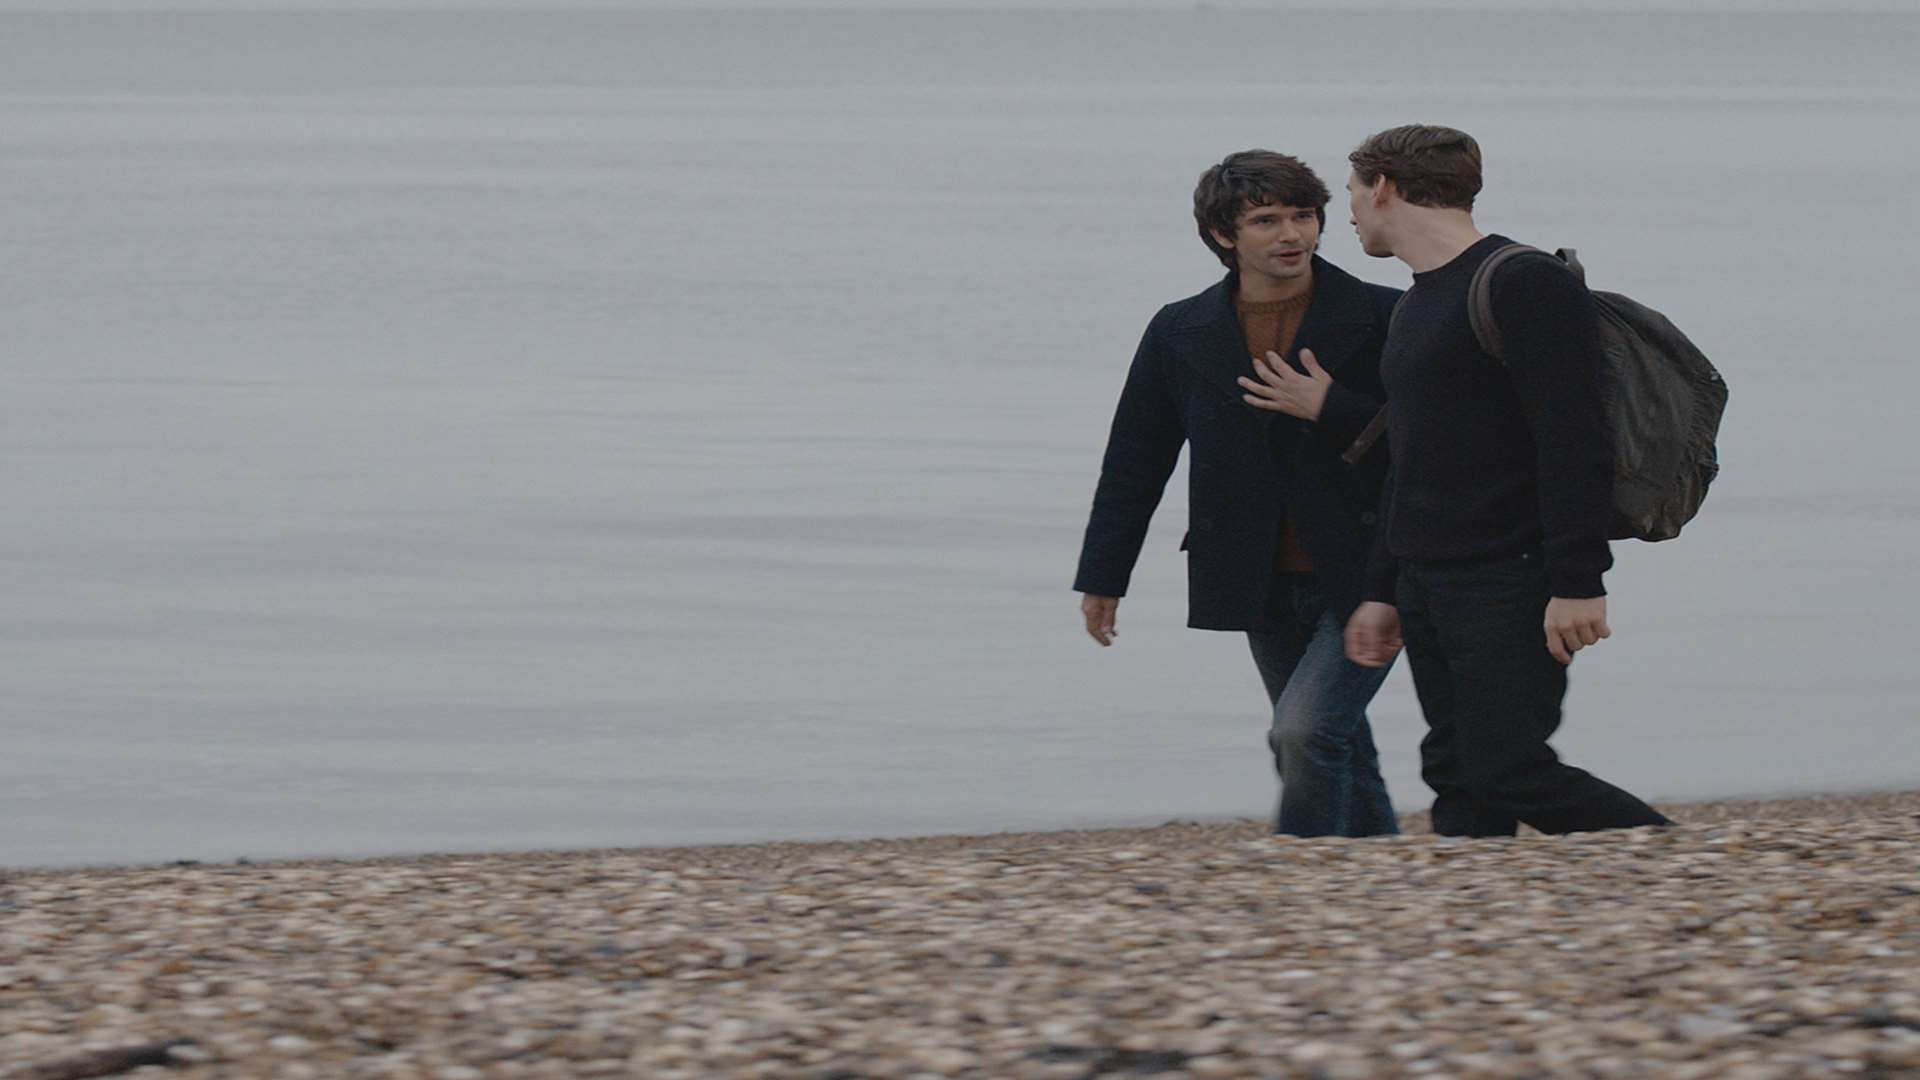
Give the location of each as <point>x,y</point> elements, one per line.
<point>1248,469</point>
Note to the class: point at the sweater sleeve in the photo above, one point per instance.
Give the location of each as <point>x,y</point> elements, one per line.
<point>1553,357</point>
<point>1383,570</point>
<point>1142,447</point>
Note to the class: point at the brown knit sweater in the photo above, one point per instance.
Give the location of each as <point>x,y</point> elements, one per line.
<point>1271,326</point>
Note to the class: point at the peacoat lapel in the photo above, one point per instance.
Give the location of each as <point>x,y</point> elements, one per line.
<point>1337,321</point>
<point>1210,342</point>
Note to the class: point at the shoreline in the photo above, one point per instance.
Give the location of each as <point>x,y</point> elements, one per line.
<point>1802,806</point>
<point>1762,939</point>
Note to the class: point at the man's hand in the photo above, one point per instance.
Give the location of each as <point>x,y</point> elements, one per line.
<point>1099,612</point>
<point>1282,389</point>
<point>1373,634</point>
<point>1573,625</point>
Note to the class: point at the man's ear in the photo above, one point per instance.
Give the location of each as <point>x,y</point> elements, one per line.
<point>1221,239</point>
<point>1381,189</point>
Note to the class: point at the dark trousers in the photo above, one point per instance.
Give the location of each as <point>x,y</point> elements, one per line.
<point>1491,693</point>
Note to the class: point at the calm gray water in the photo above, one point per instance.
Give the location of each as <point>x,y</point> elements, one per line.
<point>459,430</point>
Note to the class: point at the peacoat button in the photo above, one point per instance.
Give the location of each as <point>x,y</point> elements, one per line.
<point>1367,518</point>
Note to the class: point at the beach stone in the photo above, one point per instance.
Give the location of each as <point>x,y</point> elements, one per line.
<point>1708,1029</point>
<point>1728,946</point>
<point>1633,1031</point>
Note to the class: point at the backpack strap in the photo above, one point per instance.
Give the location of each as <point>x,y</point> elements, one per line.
<point>1486,328</point>
<point>1378,425</point>
<point>1367,437</point>
<point>1572,259</point>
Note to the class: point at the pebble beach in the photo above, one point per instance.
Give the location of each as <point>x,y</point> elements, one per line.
<point>1766,938</point>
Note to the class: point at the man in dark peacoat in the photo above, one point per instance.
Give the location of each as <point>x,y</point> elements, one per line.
<point>1261,461</point>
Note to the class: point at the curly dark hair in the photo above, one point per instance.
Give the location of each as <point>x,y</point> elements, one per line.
<point>1253,178</point>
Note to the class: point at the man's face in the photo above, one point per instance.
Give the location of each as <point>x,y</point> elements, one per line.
<point>1366,218</point>
<point>1274,241</point>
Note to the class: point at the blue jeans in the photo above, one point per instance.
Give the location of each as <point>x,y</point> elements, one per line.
<point>1330,782</point>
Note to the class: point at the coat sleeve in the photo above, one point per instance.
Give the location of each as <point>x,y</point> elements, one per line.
<point>1346,412</point>
<point>1142,447</point>
<point>1352,402</point>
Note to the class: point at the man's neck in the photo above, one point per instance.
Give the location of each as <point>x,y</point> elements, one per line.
<point>1430,239</point>
<point>1261,289</point>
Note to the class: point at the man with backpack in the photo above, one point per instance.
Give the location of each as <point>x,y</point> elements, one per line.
<point>1279,526</point>
<point>1499,505</point>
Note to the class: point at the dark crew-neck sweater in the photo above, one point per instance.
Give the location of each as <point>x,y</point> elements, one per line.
<point>1493,460</point>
